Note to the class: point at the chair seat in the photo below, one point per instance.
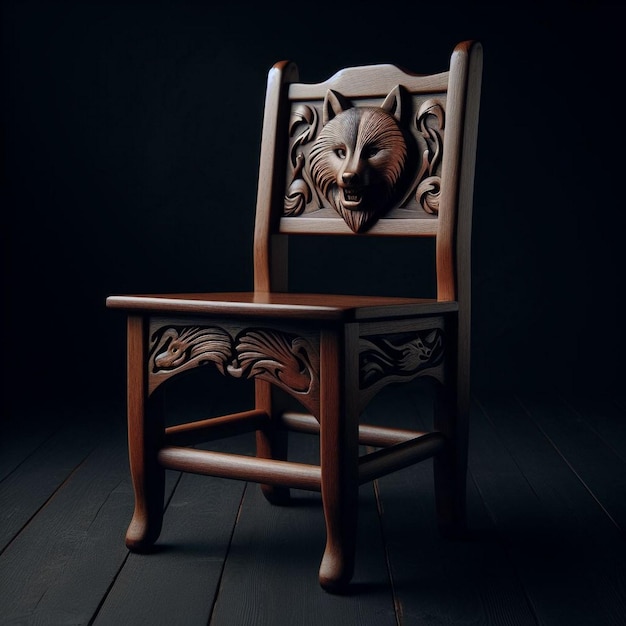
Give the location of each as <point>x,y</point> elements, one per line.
<point>285,305</point>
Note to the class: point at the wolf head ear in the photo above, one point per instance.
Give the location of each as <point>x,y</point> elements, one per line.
<point>334,104</point>
<point>393,102</point>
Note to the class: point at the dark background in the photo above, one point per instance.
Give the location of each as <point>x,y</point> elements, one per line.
<point>130,145</point>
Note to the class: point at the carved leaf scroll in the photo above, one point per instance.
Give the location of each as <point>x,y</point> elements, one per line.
<point>176,348</point>
<point>399,356</point>
<point>430,122</point>
<point>304,120</point>
<point>284,359</point>
<point>277,357</point>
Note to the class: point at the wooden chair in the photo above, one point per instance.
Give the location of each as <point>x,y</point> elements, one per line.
<point>373,150</point>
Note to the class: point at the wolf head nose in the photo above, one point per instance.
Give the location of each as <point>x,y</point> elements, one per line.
<point>350,178</point>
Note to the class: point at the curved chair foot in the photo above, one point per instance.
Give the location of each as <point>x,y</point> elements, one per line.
<point>335,572</point>
<point>141,536</point>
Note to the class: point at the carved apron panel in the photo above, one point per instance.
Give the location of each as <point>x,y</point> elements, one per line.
<point>285,359</point>
<point>289,359</point>
<point>397,357</point>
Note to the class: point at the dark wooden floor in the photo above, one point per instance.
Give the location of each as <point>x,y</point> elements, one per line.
<point>547,514</point>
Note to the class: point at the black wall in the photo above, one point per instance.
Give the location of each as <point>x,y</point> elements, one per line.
<point>130,146</point>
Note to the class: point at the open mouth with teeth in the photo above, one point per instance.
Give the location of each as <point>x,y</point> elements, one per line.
<point>352,198</point>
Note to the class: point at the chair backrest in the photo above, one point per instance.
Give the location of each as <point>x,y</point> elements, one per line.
<point>373,150</point>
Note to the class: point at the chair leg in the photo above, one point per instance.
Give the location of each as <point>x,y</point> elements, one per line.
<point>450,465</point>
<point>145,432</point>
<point>271,442</point>
<point>340,491</point>
<point>339,463</point>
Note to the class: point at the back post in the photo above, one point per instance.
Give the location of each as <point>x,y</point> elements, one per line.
<point>270,249</point>
<point>454,270</point>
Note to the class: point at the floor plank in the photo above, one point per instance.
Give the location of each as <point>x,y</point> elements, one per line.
<point>43,470</point>
<point>604,416</point>
<point>590,457</point>
<point>58,568</point>
<point>570,556</point>
<point>436,580</point>
<point>543,547</point>
<point>178,583</point>
<point>271,576</point>
<point>22,437</point>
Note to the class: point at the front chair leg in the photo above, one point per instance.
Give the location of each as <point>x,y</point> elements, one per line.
<point>340,500</point>
<point>339,462</point>
<point>145,432</point>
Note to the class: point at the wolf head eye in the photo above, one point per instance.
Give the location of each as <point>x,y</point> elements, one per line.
<point>370,152</point>
<point>340,152</point>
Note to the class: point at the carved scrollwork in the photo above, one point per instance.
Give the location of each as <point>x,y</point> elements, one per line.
<point>299,193</point>
<point>399,356</point>
<point>430,122</point>
<point>284,359</point>
<point>287,360</point>
<point>177,348</point>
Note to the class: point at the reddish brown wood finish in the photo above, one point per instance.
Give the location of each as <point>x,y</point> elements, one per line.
<point>145,431</point>
<point>339,437</point>
<point>330,353</point>
<point>284,305</point>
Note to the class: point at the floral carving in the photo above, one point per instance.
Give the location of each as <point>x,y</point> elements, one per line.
<point>403,355</point>
<point>285,359</point>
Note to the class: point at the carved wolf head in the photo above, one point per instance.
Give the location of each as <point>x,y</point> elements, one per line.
<point>359,157</point>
